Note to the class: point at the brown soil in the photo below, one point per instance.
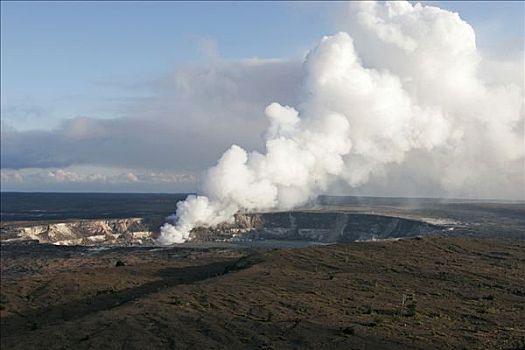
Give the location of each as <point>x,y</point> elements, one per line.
<point>458,293</point>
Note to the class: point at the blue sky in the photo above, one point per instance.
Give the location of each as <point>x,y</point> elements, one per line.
<point>74,58</point>
<point>64,60</point>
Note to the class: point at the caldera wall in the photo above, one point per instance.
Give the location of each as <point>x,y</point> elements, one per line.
<point>129,231</point>
<point>316,226</point>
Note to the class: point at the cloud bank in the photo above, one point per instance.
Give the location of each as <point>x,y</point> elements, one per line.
<point>192,115</point>
<point>189,119</point>
<point>409,96</point>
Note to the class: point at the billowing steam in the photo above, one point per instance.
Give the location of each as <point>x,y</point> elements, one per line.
<point>415,90</point>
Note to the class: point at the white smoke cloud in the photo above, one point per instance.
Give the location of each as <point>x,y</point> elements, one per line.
<point>409,85</point>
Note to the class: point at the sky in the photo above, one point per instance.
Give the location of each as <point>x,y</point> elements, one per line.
<point>62,59</point>
<point>144,96</point>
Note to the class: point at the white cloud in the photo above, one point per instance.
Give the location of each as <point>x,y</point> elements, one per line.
<point>438,114</point>
<point>100,176</point>
<point>411,89</point>
<point>192,116</point>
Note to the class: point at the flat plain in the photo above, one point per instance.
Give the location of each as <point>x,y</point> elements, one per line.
<point>420,293</point>
<point>462,287</point>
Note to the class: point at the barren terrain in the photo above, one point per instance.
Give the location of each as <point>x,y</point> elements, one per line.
<point>419,293</point>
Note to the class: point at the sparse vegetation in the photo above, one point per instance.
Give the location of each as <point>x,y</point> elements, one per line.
<point>205,298</point>
<point>408,304</point>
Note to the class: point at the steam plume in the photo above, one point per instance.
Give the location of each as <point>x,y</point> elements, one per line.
<point>416,89</point>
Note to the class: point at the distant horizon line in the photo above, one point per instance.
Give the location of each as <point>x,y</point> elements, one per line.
<point>321,195</point>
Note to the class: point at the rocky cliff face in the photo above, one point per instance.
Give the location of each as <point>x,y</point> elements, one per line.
<point>131,231</point>
<point>316,226</point>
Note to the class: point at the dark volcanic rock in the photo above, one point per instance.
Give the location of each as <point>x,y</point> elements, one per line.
<point>317,226</point>
<point>428,293</point>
